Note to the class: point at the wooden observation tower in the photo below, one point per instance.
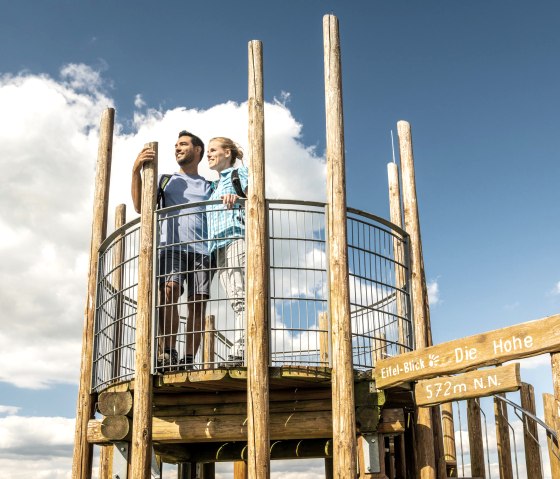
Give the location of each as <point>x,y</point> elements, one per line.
<point>336,325</point>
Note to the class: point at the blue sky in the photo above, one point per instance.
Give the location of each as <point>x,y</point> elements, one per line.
<point>477,80</point>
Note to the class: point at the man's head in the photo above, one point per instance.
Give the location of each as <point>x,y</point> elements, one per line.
<point>188,149</point>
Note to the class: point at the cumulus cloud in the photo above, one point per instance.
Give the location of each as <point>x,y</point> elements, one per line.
<point>48,149</point>
<point>556,289</point>
<point>433,292</point>
<point>9,410</point>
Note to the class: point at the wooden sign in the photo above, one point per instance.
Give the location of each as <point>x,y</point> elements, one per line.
<point>479,383</point>
<point>494,347</point>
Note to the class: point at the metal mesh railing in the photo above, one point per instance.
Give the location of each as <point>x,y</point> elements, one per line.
<point>115,311</point>
<point>199,290</point>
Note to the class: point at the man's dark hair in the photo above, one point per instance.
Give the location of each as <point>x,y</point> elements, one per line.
<point>196,141</point>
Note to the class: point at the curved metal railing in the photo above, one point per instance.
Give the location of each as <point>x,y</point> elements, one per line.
<point>298,295</point>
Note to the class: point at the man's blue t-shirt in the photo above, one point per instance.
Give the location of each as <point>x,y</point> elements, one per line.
<point>185,227</point>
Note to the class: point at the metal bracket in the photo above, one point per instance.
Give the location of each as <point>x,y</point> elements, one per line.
<point>120,460</point>
<point>370,449</point>
<point>156,471</point>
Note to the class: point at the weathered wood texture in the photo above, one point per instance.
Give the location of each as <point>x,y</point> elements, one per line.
<point>240,470</point>
<point>530,433</point>
<point>341,337</point>
<point>476,443</point>
<point>115,403</point>
<point>395,209</point>
<point>324,338</point>
<point>82,455</point>
<point>106,462</point>
<point>257,277</point>
<point>502,439</point>
<point>425,453</point>
<point>109,429</point>
<point>209,346</point>
<point>551,419</point>
<point>141,434</point>
<point>486,349</point>
<point>449,449</point>
<point>555,363</point>
<point>479,383</point>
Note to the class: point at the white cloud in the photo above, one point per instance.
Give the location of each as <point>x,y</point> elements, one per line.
<point>433,292</point>
<point>556,289</point>
<point>139,101</point>
<point>9,410</point>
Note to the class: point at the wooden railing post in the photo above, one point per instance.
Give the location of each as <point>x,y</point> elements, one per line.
<point>502,438</point>
<point>449,449</point>
<point>425,454</point>
<point>82,456</point>
<point>530,433</point>
<point>142,418</point>
<point>209,341</point>
<point>324,338</point>
<point>476,444</point>
<point>258,458</point>
<point>240,470</point>
<point>344,417</point>
<point>551,419</point>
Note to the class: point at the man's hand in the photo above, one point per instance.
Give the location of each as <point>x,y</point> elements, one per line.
<point>147,154</point>
<point>229,200</point>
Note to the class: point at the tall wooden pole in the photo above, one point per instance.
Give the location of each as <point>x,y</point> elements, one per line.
<point>82,457</point>
<point>142,418</point>
<point>240,470</point>
<point>344,420</point>
<point>258,458</point>
<point>530,433</point>
<point>425,453</point>
<point>502,439</point>
<point>551,419</point>
<point>449,449</point>
<point>475,438</point>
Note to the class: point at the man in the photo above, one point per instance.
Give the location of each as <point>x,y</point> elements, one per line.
<point>183,254</point>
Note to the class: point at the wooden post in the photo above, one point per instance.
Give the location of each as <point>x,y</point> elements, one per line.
<point>398,249</point>
<point>476,444</point>
<point>555,363</point>
<point>530,433</point>
<point>240,470</point>
<point>551,419</point>
<point>142,425</point>
<point>209,334</point>
<point>449,450</point>
<point>502,439</point>
<point>106,462</point>
<point>425,454</point>
<point>324,338</point>
<point>117,279</point>
<point>344,420</point>
<point>257,279</point>
<point>82,456</point>
<point>328,468</point>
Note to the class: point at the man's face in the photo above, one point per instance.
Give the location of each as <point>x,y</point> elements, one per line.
<point>185,151</point>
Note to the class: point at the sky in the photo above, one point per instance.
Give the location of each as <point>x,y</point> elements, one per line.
<point>477,80</point>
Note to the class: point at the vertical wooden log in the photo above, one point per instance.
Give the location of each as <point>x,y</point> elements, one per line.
<point>476,444</point>
<point>257,279</point>
<point>324,338</point>
<point>398,249</point>
<point>425,454</point>
<point>555,363</point>
<point>209,334</point>
<point>344,420</point>
<point>142,418</point>
<point>551,419</point>
<point>329,474</point>
<point>530,433</point>
<point>400,457</point>
<point>82,456</point>
<point>240,470</point>
<point>449,449</point>
<point>106,462</point>
<point>117,280</point>
<point>502,439</point>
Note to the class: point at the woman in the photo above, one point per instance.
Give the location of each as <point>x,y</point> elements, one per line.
<point>226,231</point>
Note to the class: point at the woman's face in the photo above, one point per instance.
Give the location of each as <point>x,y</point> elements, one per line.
<point>218,158</point>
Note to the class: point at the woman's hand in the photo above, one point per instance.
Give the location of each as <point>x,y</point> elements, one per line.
<point>229,200</point>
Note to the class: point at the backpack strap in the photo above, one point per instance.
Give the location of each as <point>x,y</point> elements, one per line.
<point>236,183</point>
<point>161,187</point>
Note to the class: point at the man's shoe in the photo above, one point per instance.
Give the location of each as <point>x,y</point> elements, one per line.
<point>168,360</point>
<point>235,361</point>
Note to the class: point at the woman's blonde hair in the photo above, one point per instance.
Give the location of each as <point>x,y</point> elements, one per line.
<point>229,144</point>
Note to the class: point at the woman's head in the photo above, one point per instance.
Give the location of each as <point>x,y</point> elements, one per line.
<point>222,153</point>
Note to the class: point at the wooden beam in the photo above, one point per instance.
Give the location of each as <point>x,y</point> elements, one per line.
<point>448,426</point>
<point>257,277</point>
<point>209,335</point>
<point>240,470</point>
<point>476,443</point>
<point>551,419</point>
<point>324,338</point>
<point>486,349</point>
<point>115,403</point>
<point>141,456</point>
<point>480,383</point>
<point>344,420</point>
<point>106,461</point>
<point>502,439</point>
<point>82,455</point>
<point>530,433</point>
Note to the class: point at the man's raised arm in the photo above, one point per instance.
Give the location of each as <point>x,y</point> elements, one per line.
<point>147,154</point>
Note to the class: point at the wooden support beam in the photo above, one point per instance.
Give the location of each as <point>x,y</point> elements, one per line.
<point>109,429</point>
<point>257,277</point>
<point>82,455</point>
<point>344,420</point>
<point>115,403</point>
<point>240,470</point>
<point>449,449</point>
<point>551,419</point>
<point>530,433</point>
<point>117,280</point>
<point>502,439</point>
<point>106,462</point>
<point>209,345</point>
<point>141,456</point>
<point>476,443</point>
<point>324,338</point>
<point>425,453</point>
